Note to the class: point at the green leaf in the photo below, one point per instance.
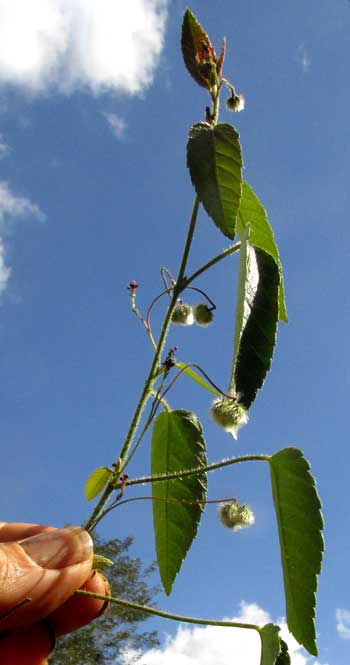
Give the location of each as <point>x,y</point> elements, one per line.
<point>300,523</point>
<point>256,321</point>
<point>177,444</point>
<point>284,657</point>
<point>198,379</point>
<point>261,235</point>
<point>214,160</point>
<point>270,644</point>
<point>96,482</point>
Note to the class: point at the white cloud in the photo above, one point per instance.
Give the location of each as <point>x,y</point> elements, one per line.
<point>343,623</point>
<point>69,44</point>
<point>212,644</point>
<point>12,207</point>
<point>4,148</point>
<point>116,123</point>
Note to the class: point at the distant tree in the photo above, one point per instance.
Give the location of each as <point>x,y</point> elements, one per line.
<point>104,641</point>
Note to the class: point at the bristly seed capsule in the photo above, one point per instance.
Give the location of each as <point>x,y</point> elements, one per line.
<point>234,516</point>
<point>235,103</point>
<point>182,314</point>
<point>203,316</point>
<point>229,414</point>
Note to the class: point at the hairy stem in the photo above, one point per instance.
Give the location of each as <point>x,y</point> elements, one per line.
<point>168,615</point>
<point>212,262</point>
<point>198,470</point>
<point>162,338</point>
<point>152,375</point>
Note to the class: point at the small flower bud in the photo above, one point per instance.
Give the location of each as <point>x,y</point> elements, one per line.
<point>235,102</point>
<point>235,517</point>
<point>229,414</point>
<point>182,314</point>
<point>203,316</point>
<point>100,562</point>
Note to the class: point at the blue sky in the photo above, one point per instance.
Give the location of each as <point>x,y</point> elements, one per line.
<point>95,105</point>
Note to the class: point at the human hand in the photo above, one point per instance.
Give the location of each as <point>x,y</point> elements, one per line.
<point>40,568</point>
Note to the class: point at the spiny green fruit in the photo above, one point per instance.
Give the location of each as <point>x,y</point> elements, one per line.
<point>229,414</point>
<point>182,314</point>
<point>234,516</point>
<point>203,316</point>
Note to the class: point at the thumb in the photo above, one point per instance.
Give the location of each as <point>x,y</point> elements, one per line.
<point>46,568</point>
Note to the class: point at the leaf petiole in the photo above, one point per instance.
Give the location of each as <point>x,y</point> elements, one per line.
<point>168,615</point>
<point>227,252</point>
<point>196,471</point>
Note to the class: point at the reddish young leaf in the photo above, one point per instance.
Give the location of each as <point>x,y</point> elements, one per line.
<point>199,54</point>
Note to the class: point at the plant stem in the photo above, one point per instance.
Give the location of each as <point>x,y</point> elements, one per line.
<point>162,401</point>
<point>160,295</point>
<point>152,375</point>
<point>195,471</point>
<point>179,282</point>
<point>168,615</point>
<point>210,386</point>
<point>198,470</point>
<point>136,311</point>
<point>117,504</point>
<point>163,335</point>
<point>169,500</point>
<point>157,400</point>
<point>203,293</point>
<point>216,104</point>
<point>216,259</point>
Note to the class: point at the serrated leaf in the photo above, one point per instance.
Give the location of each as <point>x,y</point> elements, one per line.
<point>177,444</point>
<point>96,482</point>
<point>214,160</point>
<point>300,523</point>
<point>256,321</point>
<point>252,213</point>
<point>198,52</point>
<point>284,657</point>
<point>270,644</point>
<point>198,379</point>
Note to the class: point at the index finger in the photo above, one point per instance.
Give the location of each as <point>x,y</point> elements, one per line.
<point>11,531</point>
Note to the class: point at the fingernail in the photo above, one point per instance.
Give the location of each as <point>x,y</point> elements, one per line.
<point>59,548</point>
